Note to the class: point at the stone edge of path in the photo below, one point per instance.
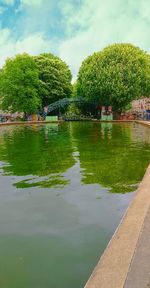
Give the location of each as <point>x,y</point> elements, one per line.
<point>112,268</point>
<point>146,123</point>
<point>61,121</point>
<point>29,122</point>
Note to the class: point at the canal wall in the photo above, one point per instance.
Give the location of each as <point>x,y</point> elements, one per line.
<point>115,264</point>
<point>60,121</point>
<point>29,122</point>
<point>146,123</point>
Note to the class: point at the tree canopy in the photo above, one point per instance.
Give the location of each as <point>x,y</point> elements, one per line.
<point>115,76</point>
<point>28,83</point>
<point>55,78</point>
<point>19,85</point>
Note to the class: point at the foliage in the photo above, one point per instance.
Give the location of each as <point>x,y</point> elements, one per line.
<point>19,85</point>
<point>73,110</point>
<point>74,90</point>
<point>115,76</point>
<point>55,78</point>
<point>84,108</point>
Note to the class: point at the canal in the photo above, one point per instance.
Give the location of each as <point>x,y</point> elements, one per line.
<point>63,191</point>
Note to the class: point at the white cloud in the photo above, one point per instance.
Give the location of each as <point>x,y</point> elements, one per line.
<point>32,44</point>
<point>35,16</point>
<point>2,9</point>
<point>31,2</point>
<point>89,26</point>
<point>96,24</point>
<point>8,2</point>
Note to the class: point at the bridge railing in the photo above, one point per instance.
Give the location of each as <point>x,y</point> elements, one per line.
<point>62,103</point>
<point>54,106</point>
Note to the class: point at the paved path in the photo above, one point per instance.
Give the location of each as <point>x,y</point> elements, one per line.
<point>146,123</point>
<point>126,261</point>
<point>139,272</point>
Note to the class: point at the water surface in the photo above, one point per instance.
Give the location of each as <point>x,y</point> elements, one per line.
<point>63,190</point>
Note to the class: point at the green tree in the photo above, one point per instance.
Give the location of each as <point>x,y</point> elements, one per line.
<point>115,76</point>
<point>55,78</point>
<point>74,90</point>
<point>19,85</point>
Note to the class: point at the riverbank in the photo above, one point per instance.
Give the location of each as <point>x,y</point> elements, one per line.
<point>60,121</point>
<point>126,260</point>
<point>29,122</point>
<point>146,123</point>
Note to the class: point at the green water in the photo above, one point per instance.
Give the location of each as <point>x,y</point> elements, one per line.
<point>63,191</point>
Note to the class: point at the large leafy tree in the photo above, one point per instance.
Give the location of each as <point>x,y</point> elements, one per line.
<point>19,85</point>
<point>115,76</point>
<point>55,78</point>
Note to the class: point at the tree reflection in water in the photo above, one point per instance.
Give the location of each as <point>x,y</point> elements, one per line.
<point>113,155</point>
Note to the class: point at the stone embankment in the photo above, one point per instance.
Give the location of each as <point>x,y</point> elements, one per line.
<point>59,121</point>
<point>29,122</point>
<point>146,123</point>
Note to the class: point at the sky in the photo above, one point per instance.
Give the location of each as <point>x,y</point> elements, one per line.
<point>71,29</point>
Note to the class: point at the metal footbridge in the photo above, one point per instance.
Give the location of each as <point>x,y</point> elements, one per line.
<point>62,103</point>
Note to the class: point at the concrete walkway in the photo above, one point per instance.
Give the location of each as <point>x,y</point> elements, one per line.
<point>126,261</point>
<point>146,123</point>
<point>139,272</point>
<point>29,122</point>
